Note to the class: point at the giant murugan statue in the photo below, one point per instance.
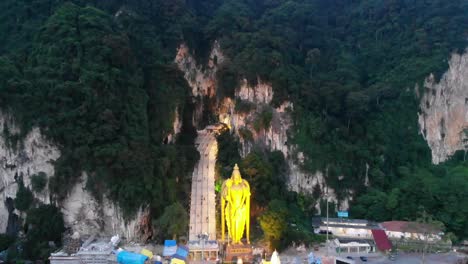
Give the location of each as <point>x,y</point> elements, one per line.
<point>235,207</point>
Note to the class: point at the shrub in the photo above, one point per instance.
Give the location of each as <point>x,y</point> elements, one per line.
<point>5,241</point>
<point>38,181</point>
<point>46,224</point>
<point>243,107</point>
<point>246,134</point>
<point>263,119</point>
<point>24,197</point>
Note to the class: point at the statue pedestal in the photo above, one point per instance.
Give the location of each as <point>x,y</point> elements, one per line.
<point>234,252</point>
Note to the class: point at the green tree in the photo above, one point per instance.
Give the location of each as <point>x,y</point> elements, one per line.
<point>24,197</point>
<point>38,181</point>
<point>5,241</point>
<point>273,222</point>
<point>174,220</point>
<point>263,119</point>
<point>45,223</point>
<point>372,206</point>
<point>392,200</point>
<point>264,172</point>
<point>228,153</point>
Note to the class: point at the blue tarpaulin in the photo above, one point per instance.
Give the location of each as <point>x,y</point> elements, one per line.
<point>170,248</point>
<point>125,257</point>
<point>181,253</point>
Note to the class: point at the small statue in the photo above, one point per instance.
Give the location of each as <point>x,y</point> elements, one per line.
<point>275,258</point>
<point>235,207</point>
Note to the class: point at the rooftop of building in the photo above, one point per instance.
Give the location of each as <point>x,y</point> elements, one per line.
<point>345,240</point>
<point>411,227</point>
<point>350,226</point>
<point>344,222</point>
<point>381,240</point>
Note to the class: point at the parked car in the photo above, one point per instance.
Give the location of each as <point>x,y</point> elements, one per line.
<point>349,257</point>
<point>363,258</point>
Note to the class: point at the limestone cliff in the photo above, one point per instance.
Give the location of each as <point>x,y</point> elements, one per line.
<point>176,127</point>
<point>84,214</point>
<point>250,115</point>
<point>249,124</point>
<point>22,159</point>
<point>36,154</point>
<point>201,79</point>
<point>203,82</point>
<point>443,117</point>
<point>305,182</point>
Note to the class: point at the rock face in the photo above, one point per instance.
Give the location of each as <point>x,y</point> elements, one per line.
<point>176,127</point>
<point>33,155</point>
<point>87,216</point>
<point>202,80</point>
<point>261,93</point>
<point>246,119</point>
<point>443,117</point>
<point>81,211</point>
<point>249,115</point>
<point>305,182</point>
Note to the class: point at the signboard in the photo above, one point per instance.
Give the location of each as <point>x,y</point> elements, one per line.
<point>342,213</point>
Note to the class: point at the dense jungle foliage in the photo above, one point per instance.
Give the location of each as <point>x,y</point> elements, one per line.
<point>97,77</point>
<point>351,67</point>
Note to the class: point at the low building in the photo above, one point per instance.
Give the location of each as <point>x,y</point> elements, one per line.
<point>342,245</point>
<point>343,227</point>
<point>411,231</point>
<point>414,236</point>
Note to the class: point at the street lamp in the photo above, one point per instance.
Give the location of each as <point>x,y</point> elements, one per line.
<point>203,237</point>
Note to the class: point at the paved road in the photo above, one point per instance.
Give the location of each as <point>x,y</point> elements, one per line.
<point>408,258</point>
<point>203,204</point>
<point>290,256</point>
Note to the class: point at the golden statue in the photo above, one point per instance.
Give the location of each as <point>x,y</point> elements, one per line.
<point>235,207</point>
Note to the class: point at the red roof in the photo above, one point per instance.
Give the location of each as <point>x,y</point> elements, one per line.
<point>395,226</point>
<point>412,227</point>
<point>381,239</point>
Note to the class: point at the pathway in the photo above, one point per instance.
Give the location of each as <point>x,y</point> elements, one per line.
<point>203,198</point>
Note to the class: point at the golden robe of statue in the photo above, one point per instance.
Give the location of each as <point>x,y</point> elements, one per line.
<point>235,207</point>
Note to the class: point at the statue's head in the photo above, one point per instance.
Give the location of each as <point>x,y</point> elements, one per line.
<point>236,176</point>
